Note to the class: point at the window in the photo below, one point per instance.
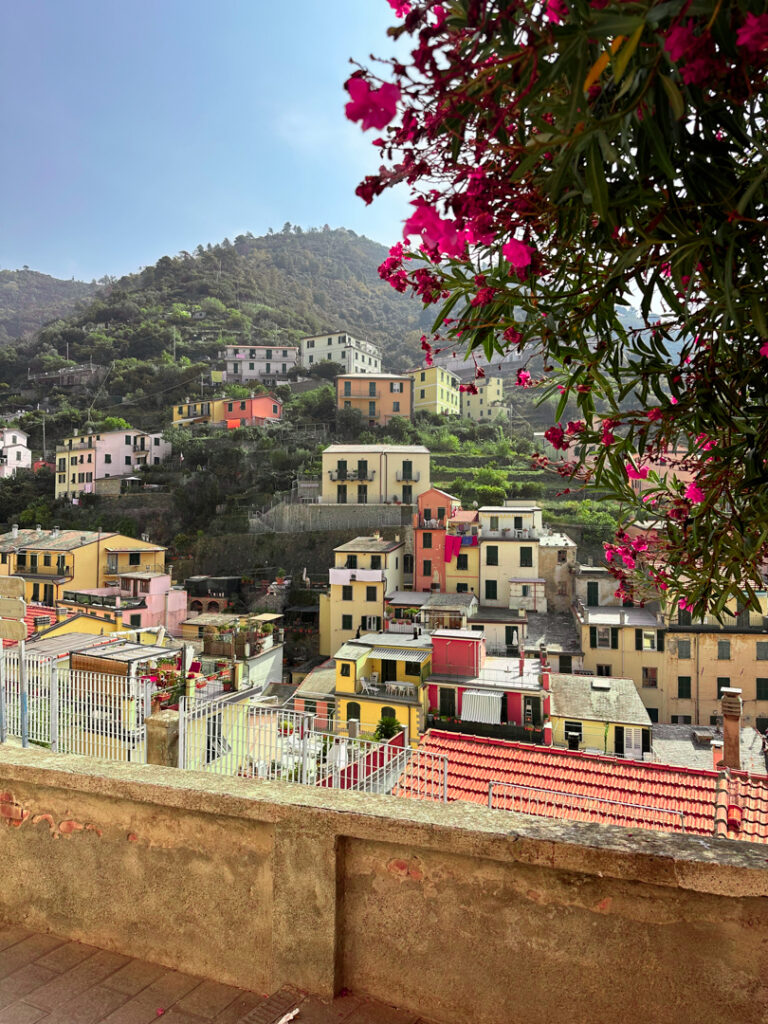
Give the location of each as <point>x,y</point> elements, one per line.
<point>602,670</point>
<point>495,524</point>
<point>761,650</point>
<point>423,378</point>
<point>462,562</point>
<point>395,407</point>
<point>427,540</point>
<point>346,622</point>
<point>653,714</point>
<point>526,557</point>
<point>396,387</point>
<point>372,409</point>
<point>562,555</point>
<point>683,650</point>
<point>723,650</point>
<point>136,620</point>
<point>684,687</point>
<point>421,393</point>
<point>645,640</point>
<point>375,561</point>
<point>491,554</point>
<point>525,590</point>
<point>388,713</point>
<point>127,460</point>
<point>351,561</point>
<point>650,677</point>
<point>346,668</point>
<point>156,442</point>
<point>491,590</point>
<point>128,439</point>
<point>346,593</point>
<point>573,729</point>
<point>761,688</point>
<point>593,594</point>
<point>566,663</point>
<point>723,683</point>
<point>681,719</point>
<point>353,711</point>
<point>462,588</point>
<point>413,668</point>
<point>372,388</point>
<point>370,593</point>
<point>683,617</point>
<point>426,567</point>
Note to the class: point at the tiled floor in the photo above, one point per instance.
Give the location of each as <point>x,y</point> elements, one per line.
<point>48,980</point>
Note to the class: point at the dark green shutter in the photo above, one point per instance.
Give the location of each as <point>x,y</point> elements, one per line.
<point>646,741</point>
<point>638,639</point>
<point>660,640</point>
<point>615,638</point>
<point>593,636</point>
<point>618,742</point>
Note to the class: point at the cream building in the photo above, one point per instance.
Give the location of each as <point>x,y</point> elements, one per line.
<point>510,573</point>
<point>488,404</point>
<point>374,474</point>
<point>354,355</point>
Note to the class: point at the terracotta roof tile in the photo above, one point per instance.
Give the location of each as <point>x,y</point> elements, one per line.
<point>35,611</point>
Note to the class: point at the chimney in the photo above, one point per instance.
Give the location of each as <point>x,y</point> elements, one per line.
<point>39,528</point>
<point>717,754</point>
<point>15,530</point>
<point>731,708</point>
<point>55,532</point>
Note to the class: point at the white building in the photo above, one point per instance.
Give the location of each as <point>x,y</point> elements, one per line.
<point>354,355</point>
<point>258,362</point>
<point>14,453</point>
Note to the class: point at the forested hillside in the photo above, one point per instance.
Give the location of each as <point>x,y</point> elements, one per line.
<point>177,314</point>
<point>29,299</point>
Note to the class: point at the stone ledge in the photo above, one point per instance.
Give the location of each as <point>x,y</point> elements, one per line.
<point>701,864</point>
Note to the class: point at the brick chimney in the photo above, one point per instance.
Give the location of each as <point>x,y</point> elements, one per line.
<point>731,709</point>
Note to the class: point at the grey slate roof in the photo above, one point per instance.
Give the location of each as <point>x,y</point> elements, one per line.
<point>578,698</point>
<point>556,629</point>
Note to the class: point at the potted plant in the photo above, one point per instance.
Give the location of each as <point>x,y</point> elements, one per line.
<point>280,576</point>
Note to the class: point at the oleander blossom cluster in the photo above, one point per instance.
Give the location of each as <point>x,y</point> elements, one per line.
<point>563,158</point>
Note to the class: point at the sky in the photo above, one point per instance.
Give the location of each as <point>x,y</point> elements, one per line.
<point>135,129</point>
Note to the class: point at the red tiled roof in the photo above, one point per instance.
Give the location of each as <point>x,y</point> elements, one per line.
<point>35,611</point>
<point>571,784</point>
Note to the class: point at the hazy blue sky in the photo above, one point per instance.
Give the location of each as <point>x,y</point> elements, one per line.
<point>136,128</point>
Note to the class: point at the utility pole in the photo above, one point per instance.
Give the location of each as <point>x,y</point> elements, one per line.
<point>43,437</point>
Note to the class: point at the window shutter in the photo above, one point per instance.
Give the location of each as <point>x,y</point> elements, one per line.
<point>646,741</point>
<point>593,636</point>
<point>638,639</point>
<point>615,638</point>
<point>660,640</point>
<point>618,739</point>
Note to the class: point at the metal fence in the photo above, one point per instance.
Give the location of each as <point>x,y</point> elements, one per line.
<point>74,712</point>
<point>229,736</point>
<point>582,807</point>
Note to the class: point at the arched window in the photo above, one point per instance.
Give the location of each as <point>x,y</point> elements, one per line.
<point>388,713</point>
<point>353,711</point>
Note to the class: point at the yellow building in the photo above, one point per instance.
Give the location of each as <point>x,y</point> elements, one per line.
<point>628,643</point>
<point>365,571</point>
<point>510,574</point>
<point>378,397</point>
<point>436,390</point>
<point>488,404</point>
<point>359,474</point>
<point>602,715</point>
<point>383,675</point>
<point>51,561</point>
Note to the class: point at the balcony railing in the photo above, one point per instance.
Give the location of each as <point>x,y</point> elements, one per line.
<point>431,524</point>
<point>509,533</point>
<point>118,600</point>
<point>30,569</point>
<point>414,475</point>
<point>352,474</point>
<point>502,731</point>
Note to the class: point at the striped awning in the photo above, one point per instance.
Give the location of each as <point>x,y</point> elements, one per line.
<point>392,654</point>
<point>480,706</point>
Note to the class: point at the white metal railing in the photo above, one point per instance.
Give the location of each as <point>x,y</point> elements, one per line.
<point>549,802</point>
<point>367,766</point>
<point>74,712</point>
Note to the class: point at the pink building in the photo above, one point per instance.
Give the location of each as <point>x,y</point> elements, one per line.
<point>142,599</point>
<point>435,509</point>
<point>84,459</point>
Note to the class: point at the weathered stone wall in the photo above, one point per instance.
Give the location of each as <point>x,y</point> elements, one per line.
<point>287,518</point>
<point>458,913</point>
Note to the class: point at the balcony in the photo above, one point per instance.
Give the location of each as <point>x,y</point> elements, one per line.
<point>431,524</point>
<point>352,475</point>
<point>502,731</point>
<point>120,599</point>
<point>345,575</point>
<point>363,395</point>
<point>115,569</point>
<point>509,533</point>
<point>36,569</point>
<point>413,475</point>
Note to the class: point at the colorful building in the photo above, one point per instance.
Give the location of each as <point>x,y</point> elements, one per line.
<point>359,474</point>
<point>365,571</point>
<point>84,460</point>
<point>378,397</point>
<point>382,675</point>
<point>599,714</point>
<point>510,574</point>
<point>52,561</point>
<point>488,403</point>
<point>14,453</point>
<point>436,390</point>
<point>140,600</point>
<point>557,565</point>
<point>436,510</point>
<point>354,355</point>
<point>254,411</point>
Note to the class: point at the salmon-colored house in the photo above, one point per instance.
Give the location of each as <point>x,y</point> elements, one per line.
<point>430,524</point>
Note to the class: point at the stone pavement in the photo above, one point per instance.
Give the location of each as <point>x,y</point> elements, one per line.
<point>49,980</point>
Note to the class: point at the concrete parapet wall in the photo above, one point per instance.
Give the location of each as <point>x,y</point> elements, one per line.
<point>287,518</point>
<point>458,913</point>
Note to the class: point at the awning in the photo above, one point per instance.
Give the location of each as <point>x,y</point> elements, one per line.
<point>479,706</point>
<point>391,654</point>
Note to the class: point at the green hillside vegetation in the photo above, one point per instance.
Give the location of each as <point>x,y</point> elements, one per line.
<point>29,299</point>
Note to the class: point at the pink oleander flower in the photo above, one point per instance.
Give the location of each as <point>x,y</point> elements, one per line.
<point>555,11</point>
<point>636,473</point>
<point>400,7</point>
<point>764,349</point>
<point>518,254</point>
<point>575,427</point>
<point>654,414</point>
<point>375,108</point>
<point>556,437</point>
<point>436,232</point>
<point>679,40</point>
<point>440,15</point>
<point>524,379</point>
<point>694,493</point>
<point>513,336</point>
<point>753,34</point>
<point>683,605</point>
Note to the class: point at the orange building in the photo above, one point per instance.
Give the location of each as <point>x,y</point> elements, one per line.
<point>435,508</point>
<point>378,396</point>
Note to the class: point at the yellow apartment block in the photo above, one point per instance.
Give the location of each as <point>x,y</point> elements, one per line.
<point>378,397</point>
<point>383,675</point>
<point>599,714</point>
<point>436,390</point>
<point>51,561</point>
<point>359,474</point>
<point>488,404</point>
